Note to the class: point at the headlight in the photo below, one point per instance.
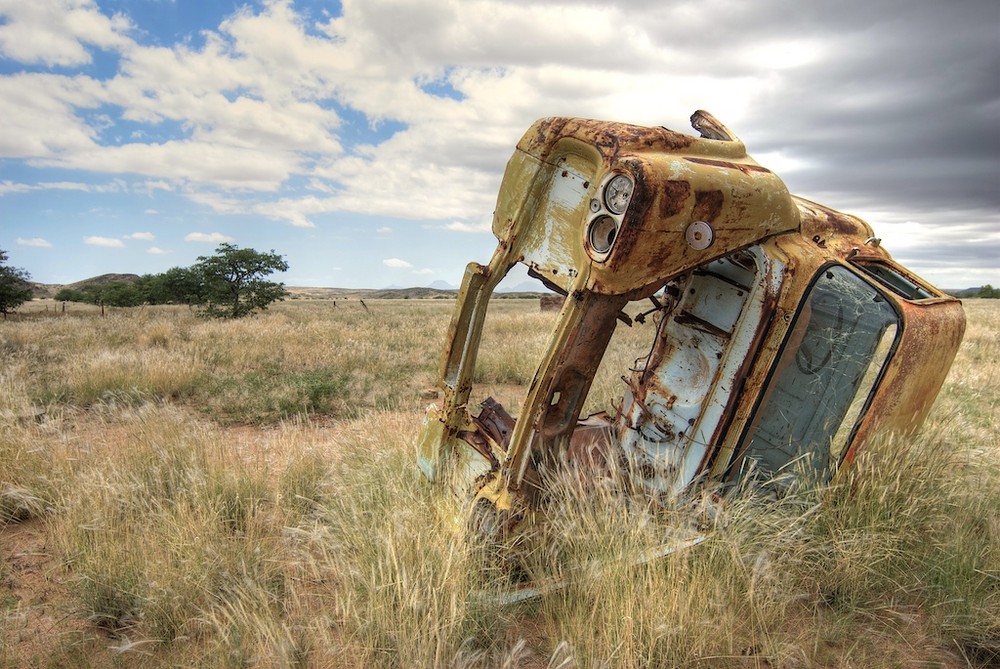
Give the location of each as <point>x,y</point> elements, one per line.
<point>601,234</point>
<point>618,193</point>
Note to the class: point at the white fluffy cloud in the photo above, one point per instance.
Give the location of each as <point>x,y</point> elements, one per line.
<point>36,242</point>
<point>208,237</point>
<point>396,263</point>
<point>7,187</point>
<point>157,251</point>
<point>461,226</point>
<point>259,99</point>
<point>106,242</point>
<point>57,32</point>
<point>145,236</point>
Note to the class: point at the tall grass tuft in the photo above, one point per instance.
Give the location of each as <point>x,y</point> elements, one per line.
<point>917,523</point>
<point>28,487</point>
<point>165,527</point>
<point>907,535</point>
<point>33,464</point>
<point>402,573</point>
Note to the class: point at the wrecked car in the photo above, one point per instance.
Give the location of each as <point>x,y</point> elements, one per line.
<point>784,332</point>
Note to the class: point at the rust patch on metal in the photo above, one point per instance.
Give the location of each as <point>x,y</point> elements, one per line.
<point>481,446</point>
<point>742,167</point>
<point>684,318</point>
<point>611,139</point>
<point>673,197</point>
<point>707,205</point>
<point>494,421</point>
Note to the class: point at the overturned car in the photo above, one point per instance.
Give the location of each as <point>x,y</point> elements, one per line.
<point>785,334</point>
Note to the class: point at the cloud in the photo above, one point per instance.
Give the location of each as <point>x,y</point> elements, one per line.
<point>459,226</point>
<point>151,212</point>
<point>248,125</point>
<point>11,187</point>
<point>145,236</point>
<point>295,212</point>
<point>58,32</point>
<point>258,99</point>
<point>198,162</point>
<point>150,187</point>
<point>106,242</point>
<point>384,230</point>
<point>411,108</point>
<point>37,242</point>
<point>156,251</point>
<point>208,237</point>
<point>396,263</point>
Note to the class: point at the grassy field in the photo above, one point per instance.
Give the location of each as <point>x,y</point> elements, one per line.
<point>183,492</point>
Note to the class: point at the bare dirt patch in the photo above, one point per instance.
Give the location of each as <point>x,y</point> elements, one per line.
<point>40,625</point>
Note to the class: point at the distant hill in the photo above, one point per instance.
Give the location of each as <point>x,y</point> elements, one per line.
<point>41,290</point>
<point>437,290</point>
<point>316,293</point>
<point>980,291</point>
<point>417,293</point>
<point>525,287</point>
<point>105,278</point>
<point>411,294</point>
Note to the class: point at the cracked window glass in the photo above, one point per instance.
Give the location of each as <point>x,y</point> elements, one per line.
<point>837,347</point>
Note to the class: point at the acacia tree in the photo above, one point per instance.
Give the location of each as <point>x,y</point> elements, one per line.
<point>233,280</point>
<point>15,288</point>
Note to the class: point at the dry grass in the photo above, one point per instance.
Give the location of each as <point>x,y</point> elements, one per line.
<point>233,494</point>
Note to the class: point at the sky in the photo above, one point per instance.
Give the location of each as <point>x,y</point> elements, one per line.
<point>365,140</point>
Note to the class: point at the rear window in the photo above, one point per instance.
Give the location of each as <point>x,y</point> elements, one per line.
<point>893,279</point>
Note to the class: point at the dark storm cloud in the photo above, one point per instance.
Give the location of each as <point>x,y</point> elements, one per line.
<point>901,108</point>
<point>900,113</point>
<point>906,109</point>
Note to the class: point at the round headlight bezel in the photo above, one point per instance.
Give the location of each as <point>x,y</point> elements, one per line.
<point>601,234</point>
<point>618,193</point>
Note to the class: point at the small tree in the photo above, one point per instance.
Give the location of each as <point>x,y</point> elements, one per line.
<point>233,280</point>
<point>120,294</point>
<point>70,295</point>
<point>178,285</point>
<point>15,288</point>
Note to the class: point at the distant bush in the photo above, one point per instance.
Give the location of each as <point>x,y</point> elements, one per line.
<point>988,291</point>
<point>14,286</point>
<point>71,295</point>
<point>113,294</point>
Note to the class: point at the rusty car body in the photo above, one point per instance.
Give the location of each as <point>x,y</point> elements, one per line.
<point>785,332</point>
